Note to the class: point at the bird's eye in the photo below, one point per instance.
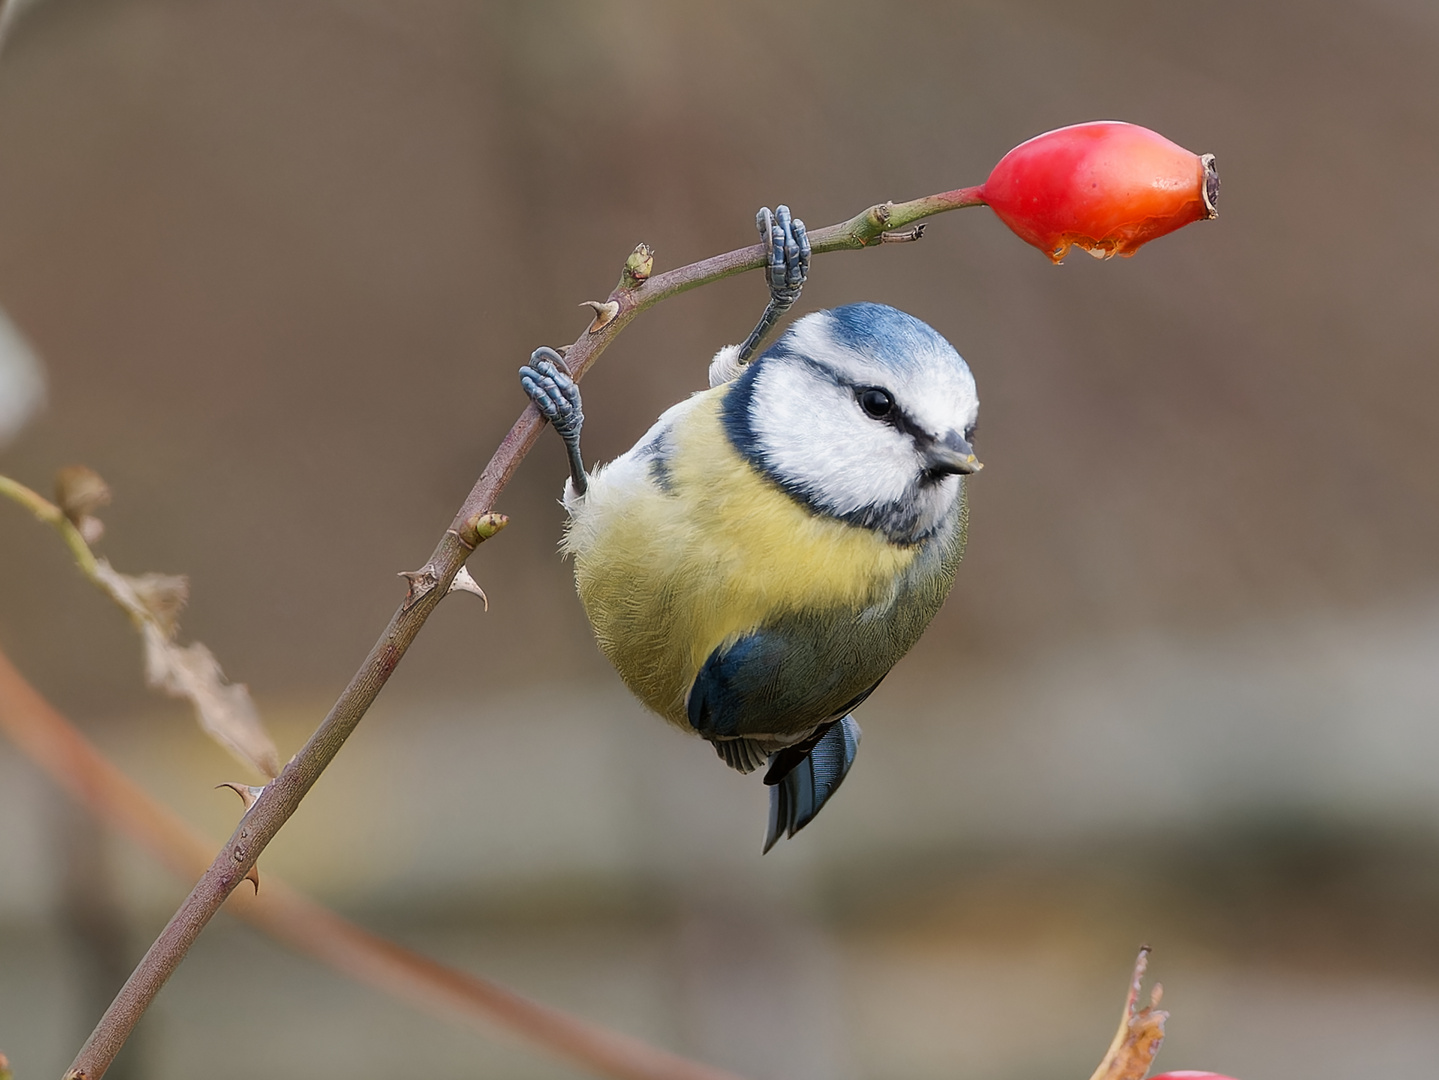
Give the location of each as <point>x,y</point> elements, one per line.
<point>876,402</point>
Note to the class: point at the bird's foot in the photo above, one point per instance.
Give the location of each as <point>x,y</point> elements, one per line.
<point>787,266</point>
<point>552,388</point>
<point>787,245</point>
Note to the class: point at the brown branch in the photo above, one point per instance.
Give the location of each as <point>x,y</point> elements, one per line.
<point>428,586</point>
<point>73,763</point>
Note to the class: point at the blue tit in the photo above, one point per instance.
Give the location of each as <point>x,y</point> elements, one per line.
<point>756,563</point>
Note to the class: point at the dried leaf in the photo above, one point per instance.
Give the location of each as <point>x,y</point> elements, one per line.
<point>1141,1031</point>
<point>223,709</point>
<point>163,596</point>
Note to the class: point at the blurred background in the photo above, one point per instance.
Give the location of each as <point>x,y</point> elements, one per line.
<point>280,262</point>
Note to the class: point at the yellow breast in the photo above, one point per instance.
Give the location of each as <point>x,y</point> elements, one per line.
<point>668,574</point>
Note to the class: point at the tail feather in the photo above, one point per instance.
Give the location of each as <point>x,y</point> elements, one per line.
<point>799,789</point>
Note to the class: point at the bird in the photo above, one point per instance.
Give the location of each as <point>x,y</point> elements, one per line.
<point>756,564</point>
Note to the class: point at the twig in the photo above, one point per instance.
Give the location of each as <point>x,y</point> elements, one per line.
<point>427,587</point>
<point>73,763</point>
<point>153,602</point>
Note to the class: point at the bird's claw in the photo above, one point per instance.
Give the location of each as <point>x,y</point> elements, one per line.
<point>787,250</point>
<point>786,246</point>
<point>551,387</point>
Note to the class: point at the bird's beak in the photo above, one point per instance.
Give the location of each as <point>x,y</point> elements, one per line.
<point>952,454</point>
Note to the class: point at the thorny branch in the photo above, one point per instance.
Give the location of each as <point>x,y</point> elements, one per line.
<point>50,741</point>
<point>635,292</point>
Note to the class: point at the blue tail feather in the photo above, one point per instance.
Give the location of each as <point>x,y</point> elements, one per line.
<point>799,789</point>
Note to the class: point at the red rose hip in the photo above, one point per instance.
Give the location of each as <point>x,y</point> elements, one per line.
<point>1106,187</point>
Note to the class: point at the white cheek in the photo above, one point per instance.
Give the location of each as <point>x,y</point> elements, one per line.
<point>814,434</point>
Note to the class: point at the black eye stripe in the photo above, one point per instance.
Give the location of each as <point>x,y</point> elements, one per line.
<point>892,414</point>
<point>896,417</point>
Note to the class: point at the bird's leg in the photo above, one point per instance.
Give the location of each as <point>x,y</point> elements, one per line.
<point>787,247</point>
<point>550,386</point>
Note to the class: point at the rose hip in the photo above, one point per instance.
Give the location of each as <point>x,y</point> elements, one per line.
<point>1106,187</point>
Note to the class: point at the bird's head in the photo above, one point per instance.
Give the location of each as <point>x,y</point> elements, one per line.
<point>863,413</point>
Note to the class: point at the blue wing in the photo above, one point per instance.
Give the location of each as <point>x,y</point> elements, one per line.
<point>779,684</point>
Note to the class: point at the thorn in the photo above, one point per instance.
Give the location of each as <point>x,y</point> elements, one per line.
<point>903,236</point>
<point>253,877</point>
<point>421,582</point>
<point>247,794</point>
<point>604,313</point>
<point>465,583</point>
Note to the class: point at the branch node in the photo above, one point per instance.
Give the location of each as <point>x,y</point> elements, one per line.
<point>605,312</point>
<point>637,267</point>
<point>465,583</point>
<point>480,527</point>
<point>80,491</point>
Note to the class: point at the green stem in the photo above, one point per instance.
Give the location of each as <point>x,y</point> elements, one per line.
<point>48,513</point>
